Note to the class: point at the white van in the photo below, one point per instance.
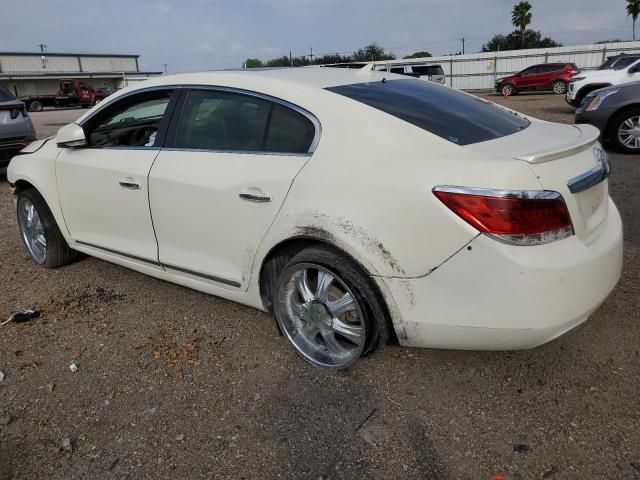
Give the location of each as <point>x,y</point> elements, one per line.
<point>432,72</point>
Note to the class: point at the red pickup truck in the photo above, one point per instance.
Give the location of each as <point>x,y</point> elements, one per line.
<point>72,93</point>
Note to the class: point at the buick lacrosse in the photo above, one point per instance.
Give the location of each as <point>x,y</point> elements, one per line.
<point>359,207</point>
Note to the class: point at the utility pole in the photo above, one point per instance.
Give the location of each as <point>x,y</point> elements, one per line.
<point>311,55</point>
<point>290,59</point>
<point>165,67</point>
<point>463,40</point>
<point>43,47</point>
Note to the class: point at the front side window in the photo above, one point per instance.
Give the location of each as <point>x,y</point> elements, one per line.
<point>134,124</point>
<point>529,71</point>
<point>458,117</point>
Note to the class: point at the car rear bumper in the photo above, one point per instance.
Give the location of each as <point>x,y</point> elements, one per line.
<point>492,296</point>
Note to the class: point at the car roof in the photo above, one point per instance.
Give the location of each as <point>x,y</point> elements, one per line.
<point>313,77</point>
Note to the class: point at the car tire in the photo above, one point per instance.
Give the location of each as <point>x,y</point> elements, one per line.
<point>40,233</point>
<point>508,90</point>
<point>35,106</point>
<point>629,121</point>
<point>328,308</point>
<point>559,87</point>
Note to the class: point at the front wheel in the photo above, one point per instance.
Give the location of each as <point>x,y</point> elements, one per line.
<point>624,131</point>
<point>327,309</point>
<point>559,87</point>
<point>508,90</point>
<point>40,233</point>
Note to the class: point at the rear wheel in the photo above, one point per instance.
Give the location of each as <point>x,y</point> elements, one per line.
<point>40,233</point>
<point>327,309</point>
<point>507,90</point>
<point>559,87</point>
<point>624,131</point>
<point>35,106</point>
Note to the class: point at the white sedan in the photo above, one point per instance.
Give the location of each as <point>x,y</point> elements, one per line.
<point>358,207</point>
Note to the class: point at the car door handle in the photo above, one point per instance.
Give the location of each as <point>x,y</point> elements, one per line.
<point>129,183</point>
<point>255,196</point>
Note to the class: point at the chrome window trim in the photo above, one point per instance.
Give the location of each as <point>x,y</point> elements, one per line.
<point>499,193</point>
<point>114,99</point>
<point>263,96</point>
<point>196,86</point>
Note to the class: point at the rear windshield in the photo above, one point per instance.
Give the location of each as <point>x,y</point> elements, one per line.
<point>5,95</point>
<point>427,70</point>
<point>455,116</point>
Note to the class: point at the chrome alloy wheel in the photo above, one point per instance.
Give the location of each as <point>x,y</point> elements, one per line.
<point>320,315</point>
<point>629,132</point>
<point>560,88</point>
<point>32,230</point>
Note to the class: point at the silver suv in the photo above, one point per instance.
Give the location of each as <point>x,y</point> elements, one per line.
<point>16,129</point>
<point>433,72</point>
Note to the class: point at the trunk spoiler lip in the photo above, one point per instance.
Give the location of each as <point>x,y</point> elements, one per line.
<point>588,135</point>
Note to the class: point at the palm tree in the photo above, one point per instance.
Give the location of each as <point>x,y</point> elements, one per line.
<point>521,17</point>
<point>633,10</point>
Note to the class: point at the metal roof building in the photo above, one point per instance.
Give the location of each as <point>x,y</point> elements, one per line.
<point>28,73</point>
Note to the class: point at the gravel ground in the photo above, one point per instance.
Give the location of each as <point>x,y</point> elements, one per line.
<point>172,383</point>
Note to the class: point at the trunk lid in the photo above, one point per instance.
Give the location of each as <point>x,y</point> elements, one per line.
<point>567,159</point>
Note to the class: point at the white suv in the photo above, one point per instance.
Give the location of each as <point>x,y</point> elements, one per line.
<point>432,72</point>
<point>624,69</point>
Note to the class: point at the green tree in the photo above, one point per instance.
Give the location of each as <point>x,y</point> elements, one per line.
<point>633,10</point>
<point>521,17</point>
<point>253,63</point>
<point>371,53</point>
<point>615,40</point>
<point>418,55</point>
<point>513,41</point>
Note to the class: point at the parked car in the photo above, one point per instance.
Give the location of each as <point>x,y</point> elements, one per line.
<point>102,93</point>
<point>16,129</point>
<point>622,70</point>
<point>616,112</point>
<point>432,72</point>
<point>546,76</point>
<point>356,208</point>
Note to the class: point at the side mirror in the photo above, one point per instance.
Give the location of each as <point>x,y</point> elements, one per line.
<point>71,136</point>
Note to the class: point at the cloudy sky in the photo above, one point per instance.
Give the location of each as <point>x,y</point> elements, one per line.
<point>207,34</point>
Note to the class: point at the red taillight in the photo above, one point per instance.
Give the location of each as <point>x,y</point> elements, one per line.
<point>517,217</point>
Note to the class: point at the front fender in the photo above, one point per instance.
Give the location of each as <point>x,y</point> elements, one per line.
<point>38,169</point>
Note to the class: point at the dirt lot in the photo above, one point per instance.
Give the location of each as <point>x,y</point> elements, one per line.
<point>177,384</point>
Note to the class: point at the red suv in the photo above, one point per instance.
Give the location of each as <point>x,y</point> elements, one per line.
<point>546,76</point>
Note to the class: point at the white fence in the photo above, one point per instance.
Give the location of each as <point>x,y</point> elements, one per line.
<point>478,71</point>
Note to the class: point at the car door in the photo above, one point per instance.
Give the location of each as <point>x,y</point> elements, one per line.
<point>214,191</point>
<point>527,78</point>
<point>103,187</point>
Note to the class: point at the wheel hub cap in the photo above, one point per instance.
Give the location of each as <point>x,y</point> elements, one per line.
<point>32,231</point>
<point>629,132</point>
<point>320,316</point>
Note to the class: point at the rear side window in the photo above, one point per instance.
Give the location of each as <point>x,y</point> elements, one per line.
<point>289,131</point>
<point>399,70</point>
<point>455,116</point>
<point>214,120</point>
<point>219,120</point>
<point>5,95</point>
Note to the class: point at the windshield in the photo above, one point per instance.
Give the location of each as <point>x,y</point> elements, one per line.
<point>459,117</point>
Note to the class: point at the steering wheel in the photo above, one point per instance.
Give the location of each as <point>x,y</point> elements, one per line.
<point>140,137</point>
